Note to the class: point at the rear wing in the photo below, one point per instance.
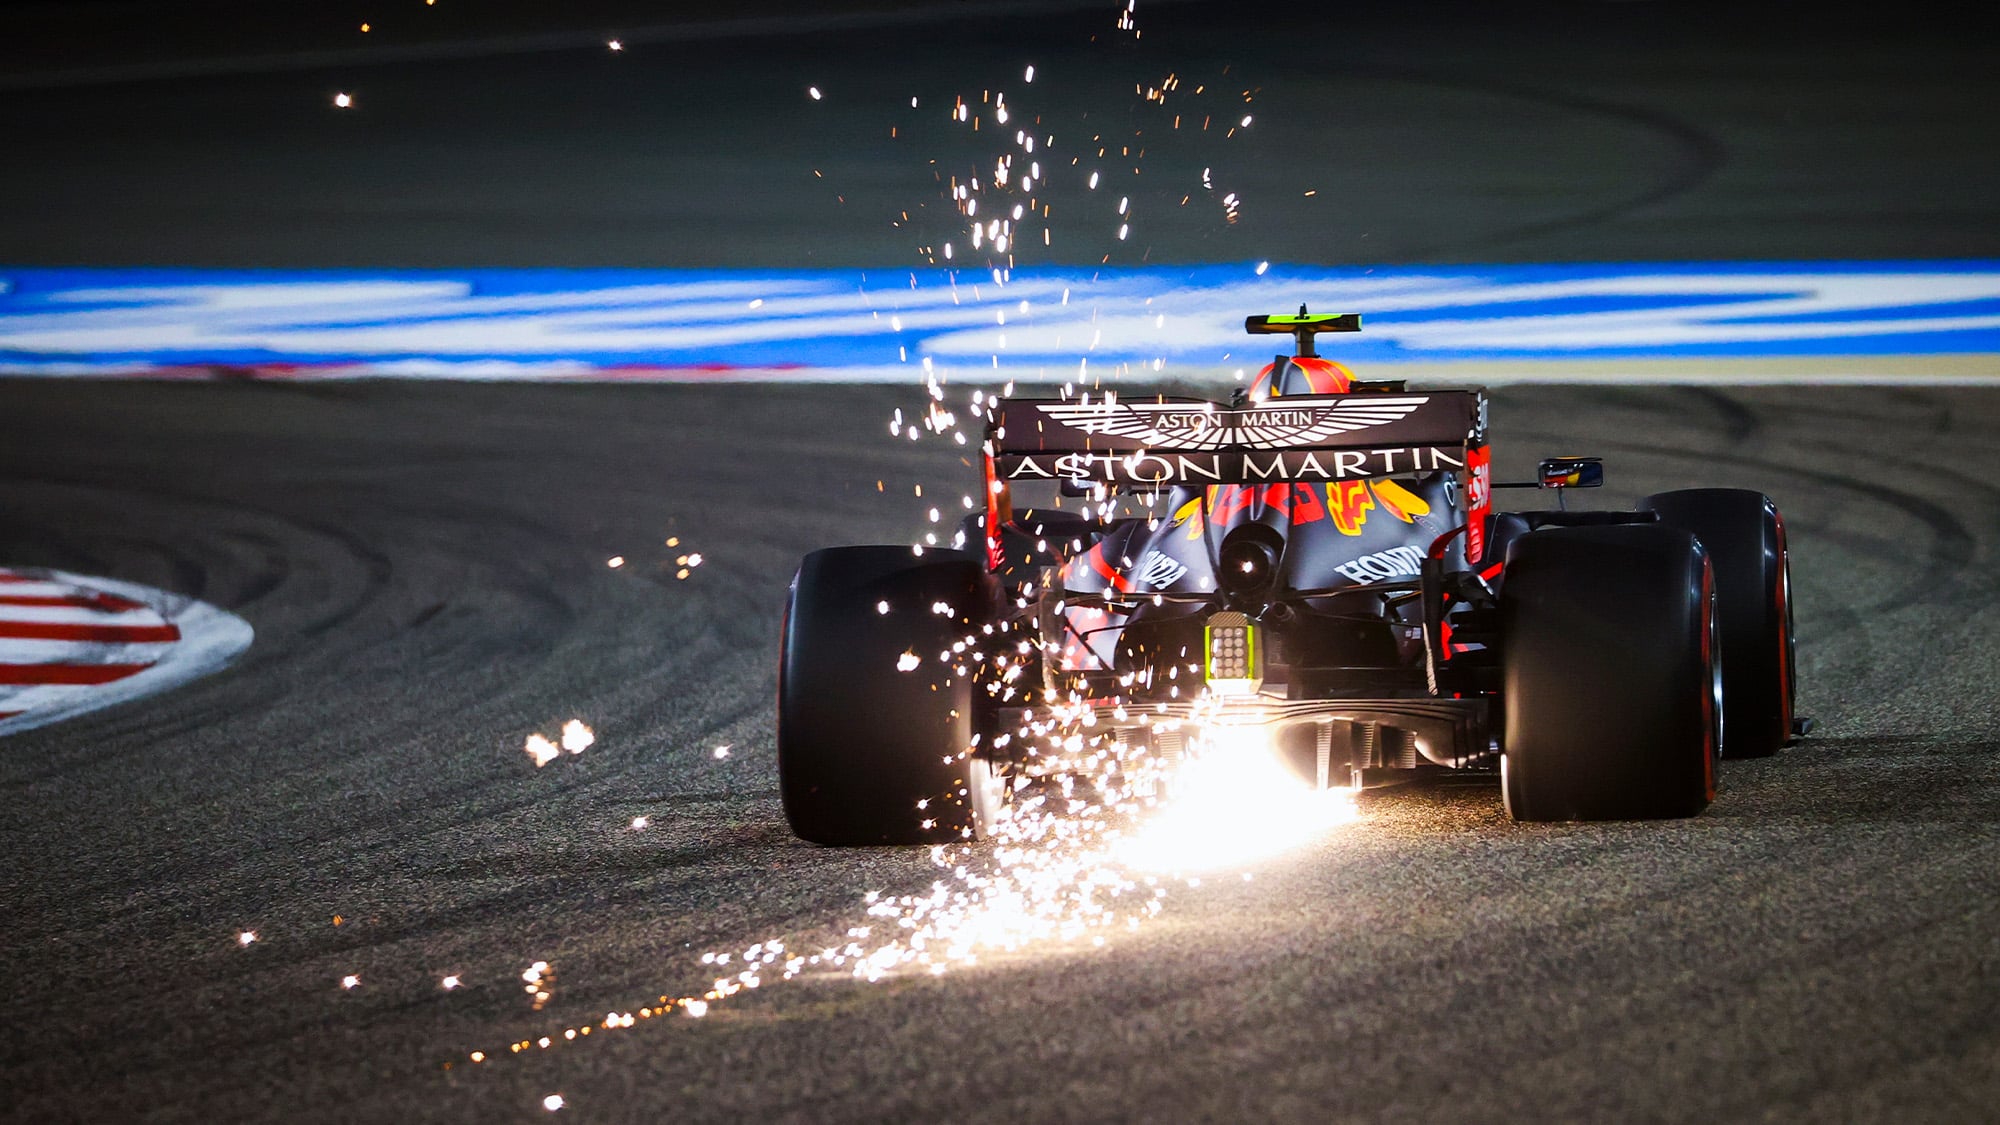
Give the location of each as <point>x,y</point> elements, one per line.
<point>1304,322</point>
<point>1162,442</point>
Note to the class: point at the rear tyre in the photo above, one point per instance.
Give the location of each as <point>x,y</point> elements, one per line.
<point>1745,539</point>
<point>868,752</point>
<point>1610,675</point>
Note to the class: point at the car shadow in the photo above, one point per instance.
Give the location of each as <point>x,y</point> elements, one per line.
<point>1862,779</point>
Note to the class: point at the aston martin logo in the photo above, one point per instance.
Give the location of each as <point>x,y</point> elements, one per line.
<point>1200,426</point>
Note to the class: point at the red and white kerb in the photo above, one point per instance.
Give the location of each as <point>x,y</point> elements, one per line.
<point>71,644</point>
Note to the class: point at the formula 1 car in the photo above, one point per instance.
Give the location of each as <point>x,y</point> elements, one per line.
<point>1318,558</point>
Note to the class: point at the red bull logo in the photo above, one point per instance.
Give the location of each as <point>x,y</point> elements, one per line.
<point>1349,502</point>
<point>1346,502</point>
<point>1297,500</point>
<point>1398,501</point>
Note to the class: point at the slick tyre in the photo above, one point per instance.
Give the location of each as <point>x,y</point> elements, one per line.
<point>1745,539</point>
<point>875,731</point>
<point>1610,680</point>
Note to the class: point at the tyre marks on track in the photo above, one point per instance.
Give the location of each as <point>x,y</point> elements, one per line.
<point>1697,157</point>
<point>1880,506</point>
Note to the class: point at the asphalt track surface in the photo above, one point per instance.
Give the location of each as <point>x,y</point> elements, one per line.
<point>1821,944</point>
<point>425,568</point>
